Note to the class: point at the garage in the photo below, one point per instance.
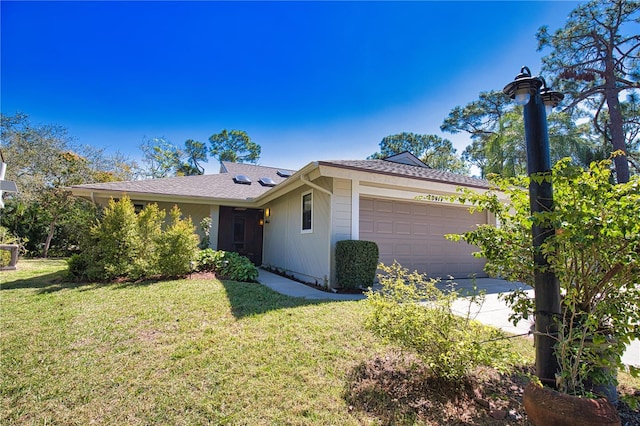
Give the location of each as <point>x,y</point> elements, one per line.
<point>413,234</point>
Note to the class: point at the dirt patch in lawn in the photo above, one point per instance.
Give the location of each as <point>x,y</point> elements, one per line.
<point>204,275</point>
<point>400,389</point>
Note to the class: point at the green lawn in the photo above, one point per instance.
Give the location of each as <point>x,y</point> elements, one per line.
<point>175,352</point>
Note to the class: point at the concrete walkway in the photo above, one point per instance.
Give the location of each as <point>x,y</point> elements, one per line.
<point>493,311</point>
<point>295,289</point>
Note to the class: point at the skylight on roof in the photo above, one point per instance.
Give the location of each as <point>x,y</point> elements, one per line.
<point>267,181</point>
<point>242,179</point>
<point>284,173</point>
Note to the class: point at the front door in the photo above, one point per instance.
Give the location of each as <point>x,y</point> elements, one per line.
<point>241,231</point>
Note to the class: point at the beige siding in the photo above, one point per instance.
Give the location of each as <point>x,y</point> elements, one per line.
<point>341,210</point>
<point>305,255</point>
<point>196,212</point>
<point>214,213</point>
<point>341,222</point>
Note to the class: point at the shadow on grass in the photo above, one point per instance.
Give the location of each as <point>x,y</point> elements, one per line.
<point>246,299</point>
<point>249,299</point>
<point>47,283</point>
<point>56,281</point>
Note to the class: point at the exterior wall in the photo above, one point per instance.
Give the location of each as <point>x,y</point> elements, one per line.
<point>341,228</point>
<point>214,214</point>
<point>306,255</point>
<point>197,212</point>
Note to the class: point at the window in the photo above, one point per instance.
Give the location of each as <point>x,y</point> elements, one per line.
<point>307,209</point>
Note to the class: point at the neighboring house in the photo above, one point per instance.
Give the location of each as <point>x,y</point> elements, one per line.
<point>292,220</point>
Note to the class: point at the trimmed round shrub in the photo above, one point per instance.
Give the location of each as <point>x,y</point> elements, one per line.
<point>356,263</point>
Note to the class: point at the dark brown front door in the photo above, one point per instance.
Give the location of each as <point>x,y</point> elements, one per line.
<point>240,230</point>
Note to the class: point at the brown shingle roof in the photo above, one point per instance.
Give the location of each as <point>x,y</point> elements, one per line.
<point>405,170</point>
<point>222,186</point>
<point>219,186</point>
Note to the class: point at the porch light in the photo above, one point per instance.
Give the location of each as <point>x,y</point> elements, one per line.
<point>526,91</point>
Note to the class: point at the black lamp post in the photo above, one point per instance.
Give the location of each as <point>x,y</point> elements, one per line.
<point>532,93</point>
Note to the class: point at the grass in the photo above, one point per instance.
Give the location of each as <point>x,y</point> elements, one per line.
<point>174,352</point>
<point>185,352</point>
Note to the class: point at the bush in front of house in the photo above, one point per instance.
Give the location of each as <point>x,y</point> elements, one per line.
<point>227,265</point>
<point>123,244</point>
<point>356,263</point>
<point>177,245</point>
<point>113,244</point>
<point>409,310</point>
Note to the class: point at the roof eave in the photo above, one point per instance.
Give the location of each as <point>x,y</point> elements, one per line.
<point>92,194</point>
<point>400,175</point>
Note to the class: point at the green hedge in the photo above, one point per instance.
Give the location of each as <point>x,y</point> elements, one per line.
<point>124,244</point>
<point>356,263</point>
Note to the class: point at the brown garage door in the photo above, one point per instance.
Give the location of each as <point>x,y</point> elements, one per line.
<point>413,234</point>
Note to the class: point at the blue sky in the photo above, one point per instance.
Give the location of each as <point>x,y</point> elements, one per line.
<point>306,80</point>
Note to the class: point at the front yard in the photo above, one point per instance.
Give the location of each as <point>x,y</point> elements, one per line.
<point>174,352</point>
<point>202,351</point>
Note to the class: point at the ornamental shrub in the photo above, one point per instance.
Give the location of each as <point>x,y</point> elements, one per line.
<point>7,238</point>
<point>239,268</point>
<point>177,246</point>
<point>594,254</point>
<point>356,262</point>
<point>150,221</point>
<point>117,241</point>
<point>228,265</point>
<point>209,260</point>
<point>123,244</point>
<point>409,310</point>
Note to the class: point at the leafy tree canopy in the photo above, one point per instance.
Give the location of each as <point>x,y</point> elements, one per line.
<point>235,146</point>
<point>195,153</point>
<point>162,157</point>
<point>431,149</point>
<point>593,59</point>
<point>496,128</point>
<point>43,160</point>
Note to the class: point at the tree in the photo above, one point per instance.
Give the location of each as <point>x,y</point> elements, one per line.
<point>195,152</point>
<point>235,146</point>
<point>482,120</point>
<point>496,128</point>
<point>109,167</point>
<point>161,156</point>
<point>631,116</point>
<point>594,62</point>
<point>431,149</point>
<point>42,160</point>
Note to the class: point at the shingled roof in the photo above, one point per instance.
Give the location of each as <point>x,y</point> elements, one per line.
<point>219,186</point>
<point>406,170</point>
